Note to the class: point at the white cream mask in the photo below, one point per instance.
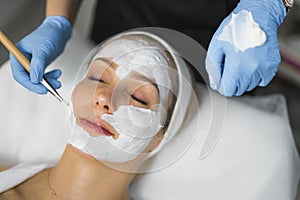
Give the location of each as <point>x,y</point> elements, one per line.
<point>243,32</point>
<point>136,126</point>
<point>137,55</point>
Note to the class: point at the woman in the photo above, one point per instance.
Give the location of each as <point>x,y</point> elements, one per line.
<point>122,112</point>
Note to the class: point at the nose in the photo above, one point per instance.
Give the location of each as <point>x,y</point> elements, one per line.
<point>103,101</point>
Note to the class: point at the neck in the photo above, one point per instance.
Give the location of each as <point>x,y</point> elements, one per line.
<point>79,176</point>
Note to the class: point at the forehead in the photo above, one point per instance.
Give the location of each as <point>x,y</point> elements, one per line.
<point>134,55</point>
<point>138,50</point>
<point>108,62</point>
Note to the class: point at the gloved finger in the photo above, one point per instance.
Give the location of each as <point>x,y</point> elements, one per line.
<point>229,81</point>
<point>242,86</point>
<point>18,71</point>
<point>37,67</point>
<point>52,77</point>
<point>37,88</point>
<point>54,74</point>
<point>268,72</point>
<point>54,83</point>
<point>255,80</point>
<point>228,86</point>
<point>16,66</point>
<point>265,80</point>
<point>214,65</point>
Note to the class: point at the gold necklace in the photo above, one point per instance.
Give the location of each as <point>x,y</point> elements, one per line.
<point>52,191</point>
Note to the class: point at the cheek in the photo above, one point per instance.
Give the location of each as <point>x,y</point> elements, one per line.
<point>82,99</point>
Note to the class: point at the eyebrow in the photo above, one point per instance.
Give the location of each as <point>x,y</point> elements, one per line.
<point>140,76</point>
<point>105,60</point>
<point>108,62</point>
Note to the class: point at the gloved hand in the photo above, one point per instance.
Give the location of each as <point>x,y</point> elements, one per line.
<point>41,47</point>
<point>244,51</point>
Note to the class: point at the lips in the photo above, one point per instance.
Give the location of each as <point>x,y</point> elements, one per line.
<point>96,129</point>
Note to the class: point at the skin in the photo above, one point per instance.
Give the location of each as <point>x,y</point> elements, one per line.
<point>78,175</point>
<point>65,8</point>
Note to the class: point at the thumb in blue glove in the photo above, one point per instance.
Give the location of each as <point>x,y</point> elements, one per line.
<point>244,51</point>
<point>41,47</point>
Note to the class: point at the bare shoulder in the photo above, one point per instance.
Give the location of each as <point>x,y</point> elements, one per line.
<point>29,189</point>
<point>11,195</point>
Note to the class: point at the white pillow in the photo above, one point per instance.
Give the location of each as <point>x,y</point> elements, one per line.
<point>255,157</point>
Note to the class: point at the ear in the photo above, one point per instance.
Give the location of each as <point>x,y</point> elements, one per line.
<point>155,141</point>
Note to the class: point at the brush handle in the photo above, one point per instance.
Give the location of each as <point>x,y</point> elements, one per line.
<point>15,51</point>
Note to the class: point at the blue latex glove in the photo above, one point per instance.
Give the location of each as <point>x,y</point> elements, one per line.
<point>41,47</point>
<point>232,70</point>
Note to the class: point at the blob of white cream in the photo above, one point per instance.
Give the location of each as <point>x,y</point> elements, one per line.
<point>136,128</point>
<point>243,32</point>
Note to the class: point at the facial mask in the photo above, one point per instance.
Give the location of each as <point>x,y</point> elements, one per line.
<point>139,56</point>
<point>136,128</point>
<point>243,32</point>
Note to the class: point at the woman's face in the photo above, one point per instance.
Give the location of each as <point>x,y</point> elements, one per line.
<point>102,92</point>
<point>121,104</point>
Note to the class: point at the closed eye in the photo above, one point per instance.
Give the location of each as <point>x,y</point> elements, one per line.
<point>139,100</point>
<point>92,78</point>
